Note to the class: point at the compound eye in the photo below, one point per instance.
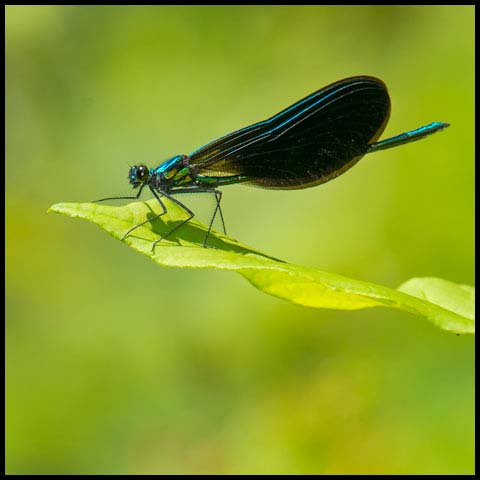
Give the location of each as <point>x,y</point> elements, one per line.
<point>142,173</point>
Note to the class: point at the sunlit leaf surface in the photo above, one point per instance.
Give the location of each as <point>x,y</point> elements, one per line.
<point>449,306</point>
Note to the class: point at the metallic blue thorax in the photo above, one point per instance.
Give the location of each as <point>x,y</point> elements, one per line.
<point>178,172</point>
<point>174,172</point>
<point>168,166</point>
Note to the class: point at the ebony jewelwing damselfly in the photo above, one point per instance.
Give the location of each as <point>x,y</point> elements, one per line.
<point>311,142</point>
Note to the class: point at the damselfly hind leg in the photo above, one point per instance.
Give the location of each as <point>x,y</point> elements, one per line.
<point>218,209</point>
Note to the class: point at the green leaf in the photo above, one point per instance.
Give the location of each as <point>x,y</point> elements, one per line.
<point>449,306</point>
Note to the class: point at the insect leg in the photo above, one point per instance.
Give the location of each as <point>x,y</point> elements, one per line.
<point>136,197</point>
<point>218,198</point>
<point>150,219</point>
<point>190,213</point>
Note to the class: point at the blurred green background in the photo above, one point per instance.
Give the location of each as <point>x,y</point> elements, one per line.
<point>115,365</point>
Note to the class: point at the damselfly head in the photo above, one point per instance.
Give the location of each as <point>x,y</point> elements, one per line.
<point>138,175</point>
